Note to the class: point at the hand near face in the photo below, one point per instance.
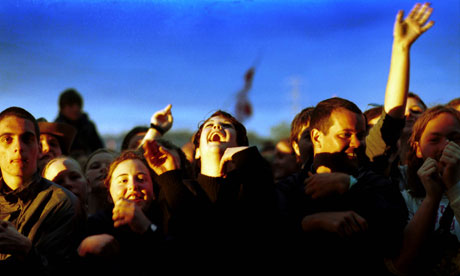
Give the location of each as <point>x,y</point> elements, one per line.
<point>343,224</point>
<point>127,212</point>
<point>408,30</point>
<point>226,164</point>
<point>430,178</point>
<point>450,164</point>
<point>324,184</point>
<point>159,158</point>
<point>12,242</point>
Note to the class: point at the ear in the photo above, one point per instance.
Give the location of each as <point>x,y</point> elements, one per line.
<point>316,138</point>
<point>197,153</point>
<point>295,147</point>
<point>418,150</point>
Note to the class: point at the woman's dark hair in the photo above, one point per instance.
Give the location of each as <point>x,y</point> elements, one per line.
<point>414,184</point>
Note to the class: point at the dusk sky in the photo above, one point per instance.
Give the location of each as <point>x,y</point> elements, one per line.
<point>129,58</point>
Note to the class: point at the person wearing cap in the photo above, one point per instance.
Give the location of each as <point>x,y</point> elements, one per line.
<point>56,140</point>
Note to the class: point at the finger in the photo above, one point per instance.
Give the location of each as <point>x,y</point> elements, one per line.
<point>427,26</point>
<point>425,16</point>
<point>414,10</point>
<point>399,16</point>
<point>421,12</point>
<point>167,109</point>
<point>360,222</point>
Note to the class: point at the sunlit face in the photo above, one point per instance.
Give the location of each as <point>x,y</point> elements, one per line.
<point>414,109</point>
<point>68,174</point>
<point>285,162</point>
<point>72,112</point>
<point>96,169</point>
<point>19,148</point>
<point>217,135</point>
<point>345,135</point>
<point>131,180</point>
<point>438,132</point>
<point>50,148</point>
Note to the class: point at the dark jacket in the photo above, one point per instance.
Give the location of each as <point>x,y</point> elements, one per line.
<point>51,217</point>
<point>87,138</point>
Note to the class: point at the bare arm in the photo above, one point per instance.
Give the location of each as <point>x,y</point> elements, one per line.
<point>405,34</point>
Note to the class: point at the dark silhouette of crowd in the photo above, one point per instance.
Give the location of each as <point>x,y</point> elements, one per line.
<point>349,192</point>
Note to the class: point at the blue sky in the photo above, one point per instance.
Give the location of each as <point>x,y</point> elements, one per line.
<point>131,58</point>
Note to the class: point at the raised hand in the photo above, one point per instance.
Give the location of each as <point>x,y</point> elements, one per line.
<point>408,30</point>
<point>163,118</point>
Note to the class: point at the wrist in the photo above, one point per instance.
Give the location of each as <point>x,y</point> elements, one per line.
<point>158,128</point>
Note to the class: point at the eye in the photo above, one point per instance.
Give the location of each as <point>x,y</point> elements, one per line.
<point>345,135</point>
<point>95,166</point>
<point>208,125</point>
<point>6,139</point>
<point>227,125</point>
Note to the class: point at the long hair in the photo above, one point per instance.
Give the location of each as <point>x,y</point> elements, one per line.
<point>414,185</point>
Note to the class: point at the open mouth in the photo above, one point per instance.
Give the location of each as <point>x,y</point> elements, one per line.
<point>215,137</point>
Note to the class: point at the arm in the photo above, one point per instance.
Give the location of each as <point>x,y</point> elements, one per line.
<point>324,184</point>
<point>342,223</point>
<point>405,34</point>
<point>422,223</point>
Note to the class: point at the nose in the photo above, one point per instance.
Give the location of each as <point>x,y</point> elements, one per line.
<point>18,145</point>
<point>132,185</point>
<point>45,147</point>
<point>217,126</point>
<point>355,142</point>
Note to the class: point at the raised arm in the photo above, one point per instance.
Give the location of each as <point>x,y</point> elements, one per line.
<point>405,34</point>
<point>160,122</point>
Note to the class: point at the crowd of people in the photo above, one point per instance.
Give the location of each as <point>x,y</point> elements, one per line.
<point>349,192</point>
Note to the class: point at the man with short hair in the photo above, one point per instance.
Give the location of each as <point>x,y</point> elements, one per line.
<point>352,230</point>
<point>40,222</point>
<point>71,112</point>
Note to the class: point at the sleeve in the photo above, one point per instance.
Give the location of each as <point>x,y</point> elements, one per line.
<point>383,136</point>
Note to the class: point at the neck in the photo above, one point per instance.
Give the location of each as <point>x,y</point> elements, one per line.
<point>14,182</point>
<point>210,165</point>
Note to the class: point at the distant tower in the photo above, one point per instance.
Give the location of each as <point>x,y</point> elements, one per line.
<point>294,83</point>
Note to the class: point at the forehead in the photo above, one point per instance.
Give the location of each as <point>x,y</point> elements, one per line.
<point>411,102</point>
<point>443,123</point>
<point>131,166</point>
<point>343,119</point>
<point>101,157</point>
<point>219,118</point>
<point>61,165</point>
<point>48,137</point>
<point>16,125</point>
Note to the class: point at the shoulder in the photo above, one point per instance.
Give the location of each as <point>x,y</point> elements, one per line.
<point>54,194</point>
